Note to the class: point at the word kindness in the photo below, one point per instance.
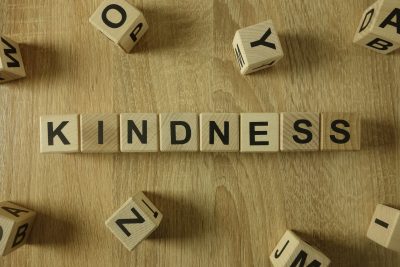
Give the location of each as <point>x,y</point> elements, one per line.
<point>207,132</point>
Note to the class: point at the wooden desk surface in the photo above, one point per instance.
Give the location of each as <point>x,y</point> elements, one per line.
<point>220,209</point>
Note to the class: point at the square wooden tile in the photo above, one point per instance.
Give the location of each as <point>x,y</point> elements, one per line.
<point>259,132</point>
<point>179,132</point>
<point>219,132</point>
<point>139,132</point>
<point>299,131</point>
<point>99,133</point>
<point>59,134</point>
<point>340,131</point>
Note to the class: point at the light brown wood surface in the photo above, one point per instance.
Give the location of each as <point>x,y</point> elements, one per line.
<point>220,209</point>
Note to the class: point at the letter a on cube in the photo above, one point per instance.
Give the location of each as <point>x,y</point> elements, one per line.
<point>134,221</point>
<point>379,28</point>
<point>257,47</point>
<point>121,22</point>
<point>15,226</point>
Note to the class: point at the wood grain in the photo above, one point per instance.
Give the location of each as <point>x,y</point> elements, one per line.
<point>219,209</point>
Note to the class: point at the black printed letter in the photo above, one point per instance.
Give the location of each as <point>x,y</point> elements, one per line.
<point>223,136</point>
<point>308,133</point>
<point>389,20</point>
<point>367,19</point>
<point>300,261</point>
<point>263,41</point>
<point>345,133</point>
<point>253,133</point>
<point>110,23</point>
<point>142,136</point>
<point>51,134</point>
<point>121,222</point>
<point>136,31</point>
<point>21,233</point>
<point>380,44</point>
<point>174,140</point>
<point>8,51</point>
<point>14,211</point>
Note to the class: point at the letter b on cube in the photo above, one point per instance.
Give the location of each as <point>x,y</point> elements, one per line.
<point>15,226</point>
<point>121,22</point>
<point>379,28</point>
<point>257,47</point>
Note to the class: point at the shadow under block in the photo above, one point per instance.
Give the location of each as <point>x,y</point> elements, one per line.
<point>59,134</point>
<point>139,132</point>
<point>134,221</point>
<point>379,28</point>
<point>179,132</point>
<point>257,47</point>
<point>99,133</point>
<point>292,251</point>
<point>11,64</point>
<point>299,131</point>
<point>121,22</point>
<point>219,132</point>
<point>259,132</point>
<point>385,227</point>
<point>340,131</point>
<point>15,226</point>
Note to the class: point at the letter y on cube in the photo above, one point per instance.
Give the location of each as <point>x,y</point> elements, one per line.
<point>257,47</point>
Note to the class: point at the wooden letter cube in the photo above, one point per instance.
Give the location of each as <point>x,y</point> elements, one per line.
<point>257,47</point>
<point>134,221</point>
<point>340,131</point>
<point>219,132</point>
<point>259,132</point>
<point>299,131</point>
<point>11,64</point>
<point>15,226</point>
<point>385,227</point>
<point>59,134</point>
<point>121,22</point>
<point>379,29</point>
<point>99,133</point>
<point>179,132</point>
<point>139,132</point>
<point>292,251</point>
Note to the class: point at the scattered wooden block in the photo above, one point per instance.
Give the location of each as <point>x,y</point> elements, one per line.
<point>259,132</point>
<point>219,132</point>
<point>134,221</point>
<point>379,29</point>
<point>15,226</point>
<point>59,134</point>
<point>292,251</point>
<point>139,132</point>
<point>11,64</point>
<point>121,22</point>
<point>179,132</point>
<point>299,131</point>
<point>99,133</point>
<point>385,227</point>
<point>340,131</point>
<point>257,47</point>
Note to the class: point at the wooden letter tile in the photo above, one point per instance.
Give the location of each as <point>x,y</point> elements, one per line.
<point>121,22</point>
<point>385,227</point>
<point>257,47</point>
<point>99,133</point>
<point>15,226</point>
<point>259,132</point>
<point>292,251</point>
<point>11,64</point>
<point>134,221</point>
<point>379,28</point>
<point>179,132</point>
<point>139,132</point>
<point>59,134</point>
<point>219,132</point>
<point>340,131</point>
<point>299,131</point>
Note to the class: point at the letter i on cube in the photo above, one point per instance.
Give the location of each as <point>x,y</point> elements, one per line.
<point>121,22</point>
<point>257,47</point>
<point>379,29</point>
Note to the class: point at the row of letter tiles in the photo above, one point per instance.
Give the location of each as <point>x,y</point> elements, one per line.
<point>211,132</point>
